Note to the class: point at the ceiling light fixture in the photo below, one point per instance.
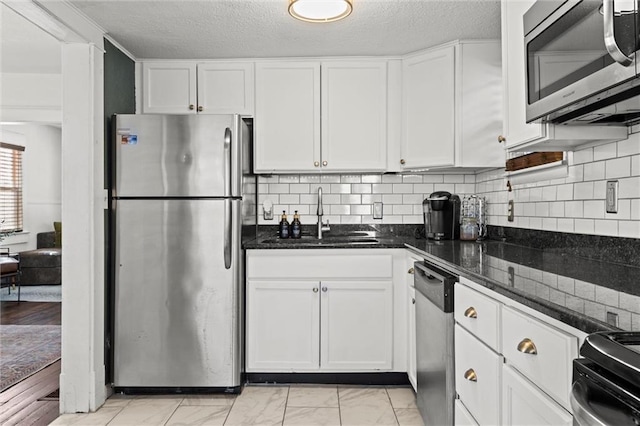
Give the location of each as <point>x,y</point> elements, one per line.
<point>320,10</point>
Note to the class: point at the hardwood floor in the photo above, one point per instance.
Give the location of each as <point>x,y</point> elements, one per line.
<point>29,402</point>
<point>30,313</point>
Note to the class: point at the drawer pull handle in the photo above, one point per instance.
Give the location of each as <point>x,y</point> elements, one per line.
<point>527,347</point>
<point>471,375</point>
<point>471,312</point>
<point>411,271</point>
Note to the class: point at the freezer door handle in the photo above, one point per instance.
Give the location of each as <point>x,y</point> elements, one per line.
<point>228,215</point>
<point>228,136</point>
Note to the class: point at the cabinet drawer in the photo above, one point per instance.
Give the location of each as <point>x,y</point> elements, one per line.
<point>461,416</point>
<point>542,353</point>
<point>479,314</point>
<point>525,404</point>
<point>477,373</point>
<point>319,264</point>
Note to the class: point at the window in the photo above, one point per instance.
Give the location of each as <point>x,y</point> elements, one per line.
<point>10,187</point>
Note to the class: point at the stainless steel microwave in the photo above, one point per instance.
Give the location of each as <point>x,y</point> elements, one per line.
<point>582,61</point>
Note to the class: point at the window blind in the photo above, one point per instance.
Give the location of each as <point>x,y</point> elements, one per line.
<point>10,187</point>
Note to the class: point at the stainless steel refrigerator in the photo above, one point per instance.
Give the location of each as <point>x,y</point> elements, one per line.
<point>182,194</point>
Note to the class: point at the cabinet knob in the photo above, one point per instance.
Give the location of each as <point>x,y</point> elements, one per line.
<point>411,271</point>
<point>402,161</point>
<point>191,107</point>
<point>315,163</point>
<point>526,346</point>
<point>315,289</point>
<point>471,312</point>
<point>413,300</point>
<point>501,139</point>
<point>324,163</point>
<point>200,108</point>
<point>324,289</point>
<point>471,375</point>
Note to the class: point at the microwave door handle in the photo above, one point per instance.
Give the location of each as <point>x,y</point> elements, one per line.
<point>610,37</point>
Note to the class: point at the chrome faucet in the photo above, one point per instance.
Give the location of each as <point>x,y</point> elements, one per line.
<point>320,213</point>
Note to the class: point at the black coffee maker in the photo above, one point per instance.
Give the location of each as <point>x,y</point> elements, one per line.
<point>441,212</point>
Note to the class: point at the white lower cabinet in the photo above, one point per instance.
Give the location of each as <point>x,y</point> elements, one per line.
<point>478,371</point>
<point>284,325</point>
<point>319,310</point>
<point>412,364</point>
<point>526,356</point>
<point>462,416</point>
<point>525,404</point>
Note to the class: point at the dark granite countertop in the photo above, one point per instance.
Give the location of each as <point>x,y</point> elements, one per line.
<point>574,290</point>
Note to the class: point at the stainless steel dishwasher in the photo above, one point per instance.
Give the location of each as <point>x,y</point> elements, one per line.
<point>434,343</point>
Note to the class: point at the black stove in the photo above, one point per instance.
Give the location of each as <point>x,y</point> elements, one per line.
<point>606,382</point>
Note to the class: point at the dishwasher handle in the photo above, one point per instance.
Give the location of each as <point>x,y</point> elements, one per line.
<point>434,284</point>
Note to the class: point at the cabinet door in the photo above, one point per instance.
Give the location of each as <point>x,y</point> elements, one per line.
<point>524,404</point>
<point>168,88</point>
<point>462,417</point>
<point>428,109</point>
<point>515,127</point>
<point>225,88</point>
<point>477,377</point>
<point>354,116</point>
<point>283,326</point>
<point>356,325</point>
<point>412,365</point>
<point>287,118</point>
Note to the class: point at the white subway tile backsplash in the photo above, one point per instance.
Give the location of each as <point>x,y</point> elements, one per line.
<point>403,188</point>
<point>371,178</point>
<point>604,152</point>
<point>350,179</point>
<point>594,171</point>
<point>361,188</point>
<point>573,204</point>
<point>594,209</point>
<point>618,167</point>
<point>583,191</point>
<point>584,226</point>
<point>607,296</point>
<point>382,188</point>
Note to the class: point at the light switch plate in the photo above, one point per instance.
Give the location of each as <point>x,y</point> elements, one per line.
<point>612,196</point>
<point>377,210</point>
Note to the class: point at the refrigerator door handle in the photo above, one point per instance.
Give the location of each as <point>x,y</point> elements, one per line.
<point>228,215</point>
<point>228,136</point>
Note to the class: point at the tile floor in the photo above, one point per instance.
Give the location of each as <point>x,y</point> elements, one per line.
<point>303,405</point>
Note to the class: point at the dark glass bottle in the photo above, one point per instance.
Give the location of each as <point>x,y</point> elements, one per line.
<point>283,232</point>
<point>296,226</point>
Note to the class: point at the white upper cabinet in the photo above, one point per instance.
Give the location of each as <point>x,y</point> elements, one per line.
<point>289,118</point>
<point>169,87</point>
<point>429,108</point>
<point>516,133</point>
<point>226,88</point>
<point>287,124</point>
<point>452,107</point>
<point>354,116</point>
<point>190,88</point>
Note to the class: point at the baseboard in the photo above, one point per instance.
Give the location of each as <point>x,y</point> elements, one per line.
<point>380,379</point>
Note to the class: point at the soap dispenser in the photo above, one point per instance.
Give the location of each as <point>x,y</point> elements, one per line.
<point>283,232</point>
<point>296,226</point>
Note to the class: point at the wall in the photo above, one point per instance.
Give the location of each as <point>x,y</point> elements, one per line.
<point>349,198</point>
<point>31,97</point>
<point>574,204</point>
<point>42,179</point>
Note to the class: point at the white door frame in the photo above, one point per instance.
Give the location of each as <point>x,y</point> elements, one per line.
<point>82,379</point>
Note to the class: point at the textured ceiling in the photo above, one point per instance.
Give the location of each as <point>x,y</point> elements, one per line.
<point>192,29</point>
<point>25,48</point>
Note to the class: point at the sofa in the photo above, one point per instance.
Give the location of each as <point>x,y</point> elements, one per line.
<point>43,265</point>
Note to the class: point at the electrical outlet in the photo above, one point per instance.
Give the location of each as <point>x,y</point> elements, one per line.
<point>377,210</point>
<point>612,196</point>
<point>612,319</point>
<point>510,211</point>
